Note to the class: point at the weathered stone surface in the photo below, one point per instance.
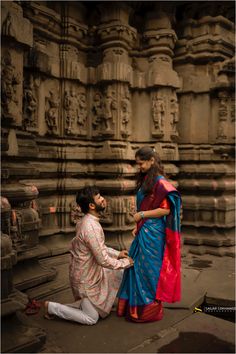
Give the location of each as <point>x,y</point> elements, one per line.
<point>223,294</point>
<point>90,341</point>
<point>215,251</point>
<point>14,25</point>
<point>30,337</point>
<point>208,333</point>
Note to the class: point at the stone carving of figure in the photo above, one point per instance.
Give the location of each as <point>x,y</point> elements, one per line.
<point>9,83</point>
<point>158,112</point>
<point>71,107</point>
<point>174,113</point>
<point>7,26</point>
<point>107,214</point>
<point>130,210</point>
<point>125,108</point>
<point>97,109</point>
<point>82,109</point>
<point>51,114</point>
<point>222,115</point>
<point>30,107</point>
<point>75,213</point>
<point>109,106</point>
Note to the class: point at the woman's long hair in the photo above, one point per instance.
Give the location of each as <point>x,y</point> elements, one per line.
<point>147,180</point>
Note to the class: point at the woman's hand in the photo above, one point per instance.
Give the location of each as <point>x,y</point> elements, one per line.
<point>137,217</point>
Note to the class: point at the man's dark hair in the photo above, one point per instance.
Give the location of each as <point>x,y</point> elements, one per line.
<point>85,197</point>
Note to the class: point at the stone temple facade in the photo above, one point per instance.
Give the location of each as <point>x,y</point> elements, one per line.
<point>84,85</point>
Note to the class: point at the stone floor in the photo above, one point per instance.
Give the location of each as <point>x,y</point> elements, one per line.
<point>207,283</point>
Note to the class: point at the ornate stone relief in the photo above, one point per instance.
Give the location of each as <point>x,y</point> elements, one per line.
<point>125,111</point>
<point>158,109</point>
<point>104,110</point>
<point>82,111</point>
<point>165,114</point>
<point>30,105</point>
<point>75,107</point>
<point>107,216</point>
<point>110,107</point>
<point>130,210</point>
<point>174,114</point>
<point>52,112</point>
<point>223,113</point>
<point>9,84</point>
<point>75,213</point>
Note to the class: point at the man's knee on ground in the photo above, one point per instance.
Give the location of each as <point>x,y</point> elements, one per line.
<point>93,319</point>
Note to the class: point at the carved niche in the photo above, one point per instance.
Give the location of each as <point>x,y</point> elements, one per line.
<point>126,111</point>
<point>223,113</point>
<point>107,216</point>
<point>75,107</point>
<point>9,83</point>
<point>30,105</point>
<point>130,210</point>
<point>52,112</point>
<point>104,110</point>
<point>158,109</point>
<point>174,114</point>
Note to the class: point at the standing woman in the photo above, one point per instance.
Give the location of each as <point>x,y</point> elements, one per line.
<point>155,276</point>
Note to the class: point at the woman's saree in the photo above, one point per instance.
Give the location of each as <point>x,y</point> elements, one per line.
<point>155,276</point>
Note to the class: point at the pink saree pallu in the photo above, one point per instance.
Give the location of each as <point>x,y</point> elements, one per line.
<point>155,276</point>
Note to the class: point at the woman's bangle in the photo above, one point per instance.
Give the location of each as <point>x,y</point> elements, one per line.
<point>142,214</point>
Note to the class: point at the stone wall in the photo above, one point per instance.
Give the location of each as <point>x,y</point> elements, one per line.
<point>85,84</point>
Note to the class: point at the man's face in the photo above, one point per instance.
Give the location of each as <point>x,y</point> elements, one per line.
<point>99,202</point>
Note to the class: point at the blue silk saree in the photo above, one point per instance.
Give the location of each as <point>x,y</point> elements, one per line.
<point>155,276</point>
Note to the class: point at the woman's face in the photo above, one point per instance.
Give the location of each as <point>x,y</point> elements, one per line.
<point>144,165</point>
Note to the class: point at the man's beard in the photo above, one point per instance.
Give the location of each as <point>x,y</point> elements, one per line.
<point>99,208</point>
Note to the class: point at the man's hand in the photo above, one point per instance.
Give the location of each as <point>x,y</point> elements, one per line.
<point>123,254</point>
<point>131,261</point>
<point>134,232</point>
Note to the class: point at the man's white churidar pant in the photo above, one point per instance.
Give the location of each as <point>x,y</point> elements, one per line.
<point>86,315</point>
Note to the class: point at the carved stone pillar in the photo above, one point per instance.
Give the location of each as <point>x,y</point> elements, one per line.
<point>17,29</point>
<point>17,335</point>
<point>112,107</point>
<point>203,59</point>
<point>159,42</point>
<point>24,232</point>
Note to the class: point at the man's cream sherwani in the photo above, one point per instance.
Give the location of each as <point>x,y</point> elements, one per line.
<point>95,271</point>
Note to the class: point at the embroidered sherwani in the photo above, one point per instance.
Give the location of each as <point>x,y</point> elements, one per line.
<point>95,272</point>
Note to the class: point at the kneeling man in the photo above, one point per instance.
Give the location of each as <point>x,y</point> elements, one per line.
<point>95,270</point>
